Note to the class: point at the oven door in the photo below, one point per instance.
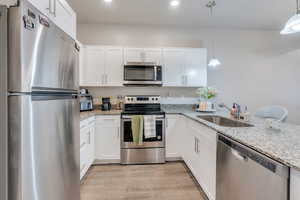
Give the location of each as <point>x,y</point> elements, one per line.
<point>127,139</point>
<point>142,75</point>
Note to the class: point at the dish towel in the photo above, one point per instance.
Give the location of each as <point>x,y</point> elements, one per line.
<point>149,126</point>
<point>137,127</point>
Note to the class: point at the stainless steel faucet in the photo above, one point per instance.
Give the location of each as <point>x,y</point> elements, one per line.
<point>238,113</point>
<point>238,107</point>
<point>222,105</point>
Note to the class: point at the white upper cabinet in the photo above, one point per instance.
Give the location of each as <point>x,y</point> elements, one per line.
<point>92,67</point>
<point>42,5</point>
<point>185,67</point>
<point>65,17</point>
<point>59,12</point>
<point>134,55</point>
<point>114,66</point>
<point>173,67</point>
<point>104,65</point>
<point>153,55</point>
<point>195,67</point>
<point>101,66</point>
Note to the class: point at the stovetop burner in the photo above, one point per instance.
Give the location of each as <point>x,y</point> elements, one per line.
<point>143,113</point>
<point>142,105</point>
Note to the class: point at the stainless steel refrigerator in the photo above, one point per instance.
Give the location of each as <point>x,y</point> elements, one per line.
<point>39,107</point>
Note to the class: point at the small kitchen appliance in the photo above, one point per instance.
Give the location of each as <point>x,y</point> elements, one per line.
<point>39,140</point>
<point>152,150</point>
<point>142,74</point>
<point>86,102</point>
<point>106,105</point>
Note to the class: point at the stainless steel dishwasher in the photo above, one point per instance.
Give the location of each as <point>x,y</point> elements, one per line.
<point>244,174</point>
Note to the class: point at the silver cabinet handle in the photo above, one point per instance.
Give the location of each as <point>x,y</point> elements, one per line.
<point>195,145</point>
<point>167,123</point>
<point>102,79</point>
<point>82,167</point>
<point>186,80</point>
<point>182,80</point>
<point>198,145</point>
<point>54,10</point>
<point>89,137</point>
<point>82,145</point>
<point>118,134</point>
<point>49,7</point>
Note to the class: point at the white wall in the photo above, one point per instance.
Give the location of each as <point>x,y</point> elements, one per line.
<point>258,67</point>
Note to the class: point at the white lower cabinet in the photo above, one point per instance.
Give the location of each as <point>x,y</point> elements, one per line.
<point>173,131</point>
<point>200,155</point>
<point>87,145</point>
<point>107,138</point>
<point>295,185</point>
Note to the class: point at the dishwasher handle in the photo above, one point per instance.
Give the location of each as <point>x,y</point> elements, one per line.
<point>244,153</point>
<point>239,156</point>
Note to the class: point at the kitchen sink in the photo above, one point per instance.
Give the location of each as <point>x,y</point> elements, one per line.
<point>222,121</point>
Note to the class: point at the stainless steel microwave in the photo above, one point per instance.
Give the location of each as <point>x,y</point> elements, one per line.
<point>142,74</point>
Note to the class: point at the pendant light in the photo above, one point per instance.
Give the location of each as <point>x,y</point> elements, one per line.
<point>293,24</point>
<point>213,62</point>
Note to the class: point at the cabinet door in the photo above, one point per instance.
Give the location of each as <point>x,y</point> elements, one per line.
<point>153,55</point>
<point>114,66</point>
<point>204,157</point>
<point>42,5</point>
<point>295,185</point>
<point>172,137</point>
<point>65,17</point>
<point>84,151</point>
<point>196,67</point>
<point>91,142</point>
<point>173,67</point>
<point>93,68</point>
<point>134,55</point>
<point>107,138</point>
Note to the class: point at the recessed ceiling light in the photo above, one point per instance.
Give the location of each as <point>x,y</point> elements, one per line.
<point>174,3</point>
<point>107,1</point>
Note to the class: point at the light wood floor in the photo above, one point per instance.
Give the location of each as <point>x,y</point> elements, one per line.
<point>170,181</point>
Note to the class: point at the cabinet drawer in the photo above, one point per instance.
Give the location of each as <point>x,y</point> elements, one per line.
<point>84,165</point>
<point>87,122</point>
<point>201,130</point>
<point>108,121</point>
<point>85,138</point>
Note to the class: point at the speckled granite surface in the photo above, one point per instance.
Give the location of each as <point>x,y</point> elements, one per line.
<point>85,115</point>
<point>283,146</point>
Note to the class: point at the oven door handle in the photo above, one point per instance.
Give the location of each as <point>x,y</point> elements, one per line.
<point>155,73</point>
<point>158,117</point>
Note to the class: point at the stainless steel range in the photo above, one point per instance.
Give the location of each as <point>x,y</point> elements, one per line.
<point>152,150</point>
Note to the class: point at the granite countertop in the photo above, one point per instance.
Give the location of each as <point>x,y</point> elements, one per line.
<point>87,114</point>
<point>282,146</point>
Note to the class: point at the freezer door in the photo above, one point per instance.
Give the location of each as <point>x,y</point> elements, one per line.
<point>3,103</point>
<point>40,54</point>
<point>43,148</point>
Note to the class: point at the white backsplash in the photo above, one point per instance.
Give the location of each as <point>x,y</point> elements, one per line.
<point>179,100</point>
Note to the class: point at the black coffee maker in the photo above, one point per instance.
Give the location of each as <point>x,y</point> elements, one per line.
<point>106,105</point>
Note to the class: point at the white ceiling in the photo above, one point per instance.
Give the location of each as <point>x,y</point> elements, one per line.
<point>246,14</point>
